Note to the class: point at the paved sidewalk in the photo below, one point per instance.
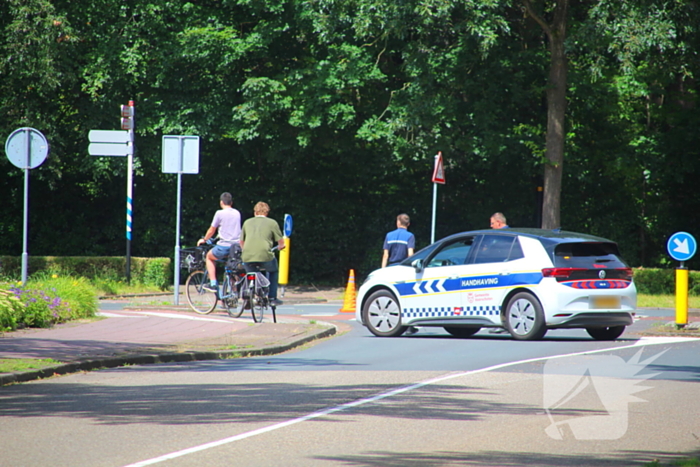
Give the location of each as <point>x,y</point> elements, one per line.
<point>150,329</point>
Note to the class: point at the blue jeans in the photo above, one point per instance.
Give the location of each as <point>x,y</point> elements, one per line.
<point>271,271</point>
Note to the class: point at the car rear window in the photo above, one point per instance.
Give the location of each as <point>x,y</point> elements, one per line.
<point>588,255</point>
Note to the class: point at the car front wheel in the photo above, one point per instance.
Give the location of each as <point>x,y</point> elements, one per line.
<point>524,317</point>
<point>606,334</point>
<point>382,314</point>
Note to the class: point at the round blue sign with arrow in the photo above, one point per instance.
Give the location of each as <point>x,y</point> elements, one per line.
<point>681,246</point>
<point>287,225</point>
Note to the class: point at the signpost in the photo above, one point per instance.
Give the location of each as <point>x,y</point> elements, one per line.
<point>119,143</point>
<point>180,155</point>
<point>110,143</point>
<point>438,177</point>
<point>26,148</point>
<point>283,278</point>
<point>681,246</point>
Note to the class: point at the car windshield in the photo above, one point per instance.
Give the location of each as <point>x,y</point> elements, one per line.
<point>418,255</point>
<point>588,255</point>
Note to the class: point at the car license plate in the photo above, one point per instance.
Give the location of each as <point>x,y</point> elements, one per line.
<point>605,302</point>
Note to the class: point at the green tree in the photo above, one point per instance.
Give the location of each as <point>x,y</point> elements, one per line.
<point>332,111</point>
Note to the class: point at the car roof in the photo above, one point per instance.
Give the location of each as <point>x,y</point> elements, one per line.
<point>544,235</point>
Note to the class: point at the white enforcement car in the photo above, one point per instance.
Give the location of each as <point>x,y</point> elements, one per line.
<point>524,280</point>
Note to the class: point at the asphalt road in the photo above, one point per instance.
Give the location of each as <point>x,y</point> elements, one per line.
<point>423,400</point>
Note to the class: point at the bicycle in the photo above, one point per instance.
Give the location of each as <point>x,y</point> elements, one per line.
<point>203,301</point>
<point>254,293</point>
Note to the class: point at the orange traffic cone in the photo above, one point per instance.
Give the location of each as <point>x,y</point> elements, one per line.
<point>350,295</point>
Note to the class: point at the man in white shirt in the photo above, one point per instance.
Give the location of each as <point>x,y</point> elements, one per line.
<point>228,223</point>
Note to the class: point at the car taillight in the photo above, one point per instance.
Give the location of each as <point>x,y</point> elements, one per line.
<point>565,273</point>
<point>560,272</point>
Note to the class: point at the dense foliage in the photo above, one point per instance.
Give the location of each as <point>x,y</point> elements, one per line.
<point>332,110</point>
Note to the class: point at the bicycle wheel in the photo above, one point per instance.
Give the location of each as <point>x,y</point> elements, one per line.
<point>230,299</point>
<point>242,305</point>
<point>200,300</point>
<point>258,305</point>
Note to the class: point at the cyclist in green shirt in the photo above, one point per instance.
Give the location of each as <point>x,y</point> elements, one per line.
<point>258,236</point>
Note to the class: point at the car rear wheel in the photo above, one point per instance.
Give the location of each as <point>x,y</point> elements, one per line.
<point>524,317</point>
<point>382,314</point>
<point>461,332</point>
<point>606,334</point>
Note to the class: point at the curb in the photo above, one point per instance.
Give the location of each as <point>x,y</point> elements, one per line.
<point>167,357</point>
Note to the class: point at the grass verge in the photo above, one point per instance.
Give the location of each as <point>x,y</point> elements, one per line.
<point>664,301</point>
<point>12,365</point>
<point>690,462</point>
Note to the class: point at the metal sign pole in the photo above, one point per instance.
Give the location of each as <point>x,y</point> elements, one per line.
<point>177,242</point>
<point>25,228</point>
<point>129,194</point>
<point>180,155</point>
<point>25,155</point>
<point>432,230</point>
<point>177,224</point>
<point>438,177</point>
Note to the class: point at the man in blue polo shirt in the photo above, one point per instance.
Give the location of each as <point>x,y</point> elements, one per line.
<point>399,243</point>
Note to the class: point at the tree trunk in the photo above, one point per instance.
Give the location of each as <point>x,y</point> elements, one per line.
<point>556,112</point>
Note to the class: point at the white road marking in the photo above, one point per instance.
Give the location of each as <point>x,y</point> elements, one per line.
<point>644,341</point>
<point>311,305</point>
<point>117,315</point>
<point>145,314</point>
<point>192,318</point>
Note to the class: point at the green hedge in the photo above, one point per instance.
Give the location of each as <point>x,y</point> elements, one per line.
<point>155,272</point>
<point>158,272</point>
<point>663,281</point>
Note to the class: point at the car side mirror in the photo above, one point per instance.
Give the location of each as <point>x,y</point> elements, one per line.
<point>417,265</point>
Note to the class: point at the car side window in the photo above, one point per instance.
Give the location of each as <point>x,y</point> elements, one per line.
<point>452,254</point>
<point>516,252</point>
<point>497,249</point>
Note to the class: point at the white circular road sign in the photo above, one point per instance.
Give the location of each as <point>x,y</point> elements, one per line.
<point>26,148</point>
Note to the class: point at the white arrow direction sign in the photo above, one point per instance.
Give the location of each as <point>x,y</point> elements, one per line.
<point>110,143</point>
<point>109,136</point>
<point>681,246</point>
